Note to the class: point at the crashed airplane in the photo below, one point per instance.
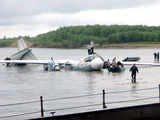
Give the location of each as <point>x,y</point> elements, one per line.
<point>90,63</point>
<point>24,56</point>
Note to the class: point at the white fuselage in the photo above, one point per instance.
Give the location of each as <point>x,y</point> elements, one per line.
<point>89,63</point>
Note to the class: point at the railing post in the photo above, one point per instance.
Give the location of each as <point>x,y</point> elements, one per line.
<point>42,111</point>
<point>104,104</point>
<point>159,92</point>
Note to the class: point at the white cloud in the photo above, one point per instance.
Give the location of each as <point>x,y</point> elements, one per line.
<point>44,21</point>
<point>24,30</point>
<point>14,8</point>
<point>132,16</point>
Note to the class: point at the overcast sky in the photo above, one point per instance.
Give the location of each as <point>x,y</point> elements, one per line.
<point>33,17</point>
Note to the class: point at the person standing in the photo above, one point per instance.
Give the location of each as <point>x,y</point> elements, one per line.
<point>89,49</point>
<point>92,47</point>
<point>52,64</point>
<point>133,71</point>
<point>106,64</point>
<point>157,56</point>
<point>114,61</point>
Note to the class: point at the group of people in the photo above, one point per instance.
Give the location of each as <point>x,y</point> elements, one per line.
<point>134,69</point>
<point>156,56</point>
<point>113,63</point>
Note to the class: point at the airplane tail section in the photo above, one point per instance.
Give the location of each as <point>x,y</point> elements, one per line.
<point>21,44</point>
<point>24,52</point>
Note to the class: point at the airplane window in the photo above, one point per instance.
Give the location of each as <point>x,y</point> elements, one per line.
<point>89,59</point>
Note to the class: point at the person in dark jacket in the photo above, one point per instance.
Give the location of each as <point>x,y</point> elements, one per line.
<point>92,47</point>
<point>157,56</point>
<point>133,70</point>
<point>89,49</point>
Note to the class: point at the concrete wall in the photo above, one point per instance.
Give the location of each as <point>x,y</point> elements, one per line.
<point>143,112</point>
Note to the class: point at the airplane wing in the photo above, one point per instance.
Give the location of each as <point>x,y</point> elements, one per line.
<point>141,64</point>
<point>33,61</point>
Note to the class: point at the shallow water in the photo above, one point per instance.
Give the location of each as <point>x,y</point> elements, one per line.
<point>29,83</point>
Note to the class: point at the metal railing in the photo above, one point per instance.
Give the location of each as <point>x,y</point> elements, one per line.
<point>103,103</point>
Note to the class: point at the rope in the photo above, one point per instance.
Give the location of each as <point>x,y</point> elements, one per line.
<point>1,117</point>
<point>132,100</point>
<point>20,103</point>
<point>57,109</point>
<point>131,90</point>
<point>72,97</point>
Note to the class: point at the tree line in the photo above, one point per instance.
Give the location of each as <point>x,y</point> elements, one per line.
<point>79,36</point>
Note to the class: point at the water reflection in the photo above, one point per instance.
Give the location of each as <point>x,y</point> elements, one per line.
<point>134,92</point>
<point>92,80</point>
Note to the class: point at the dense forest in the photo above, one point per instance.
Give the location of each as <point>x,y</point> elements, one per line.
<point>79,36</point>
